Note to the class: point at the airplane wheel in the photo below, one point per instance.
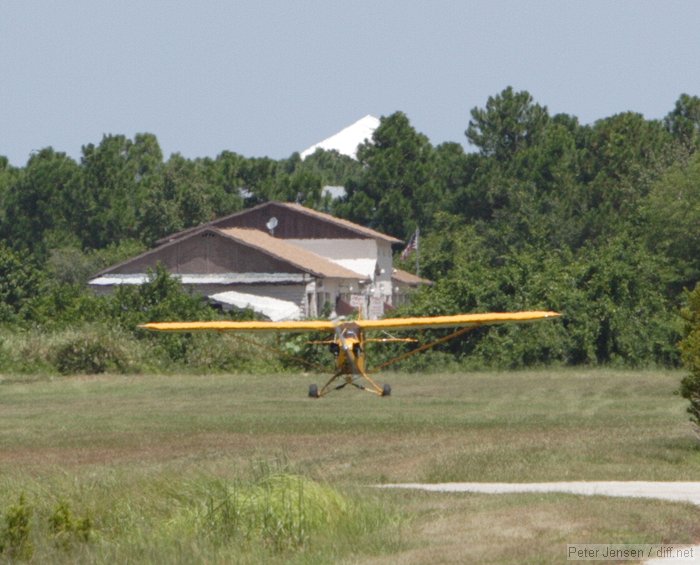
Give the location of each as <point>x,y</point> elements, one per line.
<point>313,391</point>
<point>386,390</point>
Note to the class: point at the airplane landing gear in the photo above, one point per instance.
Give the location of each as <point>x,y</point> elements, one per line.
<point>314,392</point>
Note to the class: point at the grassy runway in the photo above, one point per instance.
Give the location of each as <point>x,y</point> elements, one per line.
<point>179,468</point>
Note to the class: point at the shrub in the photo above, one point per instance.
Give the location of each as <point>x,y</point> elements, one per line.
<point>690,352</point>
<point>227,352</point>
<point>14,538</point>
<point>66,528</point>
<point>162,299</point>
<point>91,351</point>
<point>282,511</point>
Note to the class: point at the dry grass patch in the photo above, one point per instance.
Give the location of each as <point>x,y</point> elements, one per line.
<point>531,528</point>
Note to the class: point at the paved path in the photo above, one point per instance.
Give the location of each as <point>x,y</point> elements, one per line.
<point>674,491</point>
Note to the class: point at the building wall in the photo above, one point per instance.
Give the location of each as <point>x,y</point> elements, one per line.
<point>339,248</point>
<point>377,290</point>
<point>385,266</point>
<point>290,224</point>
<point>207,253</point>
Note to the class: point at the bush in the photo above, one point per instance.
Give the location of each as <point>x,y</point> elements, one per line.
<point>86,355</point>
<point>226,353</point>
<point>66,528</point>
<point>282,511</point>
<point>14,538</point>
<point>690,352</point>
<point>92,350</point>
<point>162,299</point>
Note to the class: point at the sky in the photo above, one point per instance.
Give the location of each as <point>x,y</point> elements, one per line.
<point>268,78</point>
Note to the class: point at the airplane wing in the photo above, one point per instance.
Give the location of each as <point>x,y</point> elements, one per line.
<point>250,326</point>
<point>458,320</point>
<point>417,323</point>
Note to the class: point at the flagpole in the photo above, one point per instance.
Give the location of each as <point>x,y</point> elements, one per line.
<point>417,251</point>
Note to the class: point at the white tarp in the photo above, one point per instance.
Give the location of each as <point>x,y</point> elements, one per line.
<point>346,140</point>
<point>274,308</point>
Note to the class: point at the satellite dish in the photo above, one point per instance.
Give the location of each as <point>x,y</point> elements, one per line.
<point>271,225</point>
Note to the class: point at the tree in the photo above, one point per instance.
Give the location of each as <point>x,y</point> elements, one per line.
<point>624,155</point>
<point>8,175</point>
<point>258,177</point>
<point>116,174</point>
<point>455,171</point>
<point>524,184</point>
<point>683,122</point>
<point>187,183</point>
<point>396,190</point>
<point>671,222</point>
<point>510,122</point>
<point>615,297</point>
<point>20,282</point>
<point>40,203</point>
<point>226,174</point>
<point>334,168</point>
<point>690,351</point>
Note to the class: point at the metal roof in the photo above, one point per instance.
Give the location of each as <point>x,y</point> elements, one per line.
<point>408,278</point>
<point>280,249</point>
<point>297,256</point>
<point>346,224</point>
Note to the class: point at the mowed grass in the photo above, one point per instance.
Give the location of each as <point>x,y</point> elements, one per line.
<point>142,456</point>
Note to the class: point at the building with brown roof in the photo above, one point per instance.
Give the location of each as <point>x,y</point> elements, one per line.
<point>282,259</point>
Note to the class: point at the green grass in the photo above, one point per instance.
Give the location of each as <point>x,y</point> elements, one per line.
<point>144,457</point>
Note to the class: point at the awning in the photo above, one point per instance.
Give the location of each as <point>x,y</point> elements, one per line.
<point>273,308</point>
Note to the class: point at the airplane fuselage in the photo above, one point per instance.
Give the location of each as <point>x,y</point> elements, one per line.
<point>349,349</point>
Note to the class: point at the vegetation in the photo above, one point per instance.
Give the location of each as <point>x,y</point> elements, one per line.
<point>247,469</point>
<point>595,221</point>
<point>690,348</point>
<point>14,540</point>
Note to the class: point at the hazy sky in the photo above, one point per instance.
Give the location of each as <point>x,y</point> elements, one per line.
<point>273,77</point>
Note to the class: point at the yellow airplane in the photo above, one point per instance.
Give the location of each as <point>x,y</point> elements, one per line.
<point>348,342</point>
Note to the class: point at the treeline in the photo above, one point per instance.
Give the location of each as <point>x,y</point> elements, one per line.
<point>123,191</point>
<point>598,221</point>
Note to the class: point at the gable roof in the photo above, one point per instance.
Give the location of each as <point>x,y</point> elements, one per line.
<point>357,228</point>
<point>293,254</point>
<point>408,278</point>
<point>279,249</point>
<point>295,208</point>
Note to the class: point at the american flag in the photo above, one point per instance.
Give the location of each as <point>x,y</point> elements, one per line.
<point>411,246</point>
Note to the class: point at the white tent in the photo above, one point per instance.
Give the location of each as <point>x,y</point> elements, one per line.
<point>346,140</point>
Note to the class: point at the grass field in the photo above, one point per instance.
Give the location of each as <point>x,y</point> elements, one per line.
<point>248,469</point>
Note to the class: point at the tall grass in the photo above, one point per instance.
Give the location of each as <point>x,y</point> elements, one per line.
<point>277,516</point>
<point>96,348</point>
